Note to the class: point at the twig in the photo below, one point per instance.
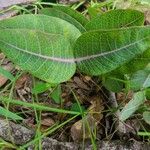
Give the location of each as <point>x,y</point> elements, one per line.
<point>113,102</point>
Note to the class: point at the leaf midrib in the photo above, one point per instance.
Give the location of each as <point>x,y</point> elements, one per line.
<point>39,55</point>
<point>72,60</point>
<point>145,82</point>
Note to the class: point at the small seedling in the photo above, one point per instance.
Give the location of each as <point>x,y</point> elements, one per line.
<point>54,44</point>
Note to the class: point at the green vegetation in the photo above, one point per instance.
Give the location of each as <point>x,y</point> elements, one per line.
<point>58,42</point>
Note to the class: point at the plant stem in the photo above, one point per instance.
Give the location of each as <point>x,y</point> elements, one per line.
<point>119,124</point>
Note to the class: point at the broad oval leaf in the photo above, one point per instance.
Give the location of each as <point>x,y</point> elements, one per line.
<point>73,13</point>
<point>44,23</point>
<point>116,19</point>
<point>112,82</point>
<point>121,19</point>
<point>56,94</point>
<point>41,87</point>
<point>138,63</point>
<point>132,106</point>
<point>99,52</point>
<point>62,15</point>
<point>47,56</point>
<point>146,117</point>
<point>140,80</point>
<point>134,69</point>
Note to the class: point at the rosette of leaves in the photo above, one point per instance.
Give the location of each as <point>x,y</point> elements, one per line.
<point>59,40</point>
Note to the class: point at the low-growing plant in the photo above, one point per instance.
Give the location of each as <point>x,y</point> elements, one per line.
<point>59,41</point>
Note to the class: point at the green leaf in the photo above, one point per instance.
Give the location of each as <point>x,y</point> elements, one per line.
<point>41,87</point>
<point>9,114</point>
<point>114,83</point>
<point>93,11</point>
<point>75,107</point>
<point>147,91</point>
<point>62,15</point>
<point>73,13</point>
<point>134,69</point>
<point>146,117</point>
<point>47,24</point>
<point>6,74</point>
<point>47,56</point>
<point>145,133</point>
<point>138,63</point>
<point>56,94</point>
<point>140,80</point>
<point>133,105</point>
<point>98,52</point>
<point>147,2</point>
<point>42,45</point>
<point>119,19</point>
<point>116,19</point>
<point>35,106</point>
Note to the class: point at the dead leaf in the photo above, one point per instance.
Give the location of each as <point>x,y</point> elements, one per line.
<point>96,108</point>
<point>20,83</point>
<point>88,78</point>
<point>80,83</point>
<point>29,122</point>
<point>76,131</point>
<point>23,87</point>
<point>123,97</point>
<point>2,56</point>
<point>123,4</point>
<point>47,122</point>
<point>132,126</point>
<point>80,129</point>
<point>147,16</point>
